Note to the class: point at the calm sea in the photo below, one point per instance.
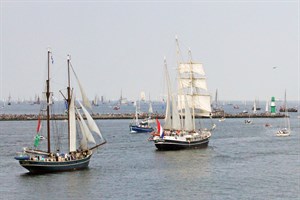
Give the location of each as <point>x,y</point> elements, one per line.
<point>241,162</point>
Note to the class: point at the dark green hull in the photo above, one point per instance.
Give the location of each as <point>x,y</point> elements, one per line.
<point>40,167</point>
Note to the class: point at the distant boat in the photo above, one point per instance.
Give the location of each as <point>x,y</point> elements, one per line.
<point>284,108</point>
<point>9,100</point>
<point>122,100</point>
<point>222,119</point>
<point>193,98</point>
<point>267,107</point>
<point>254,108</point>
<point>37,100</point>
<point>116,107</point>
<point>95,101</point>
<point>257,107</point>
<point>236,107</point>
<point>36,160</point>
<point>140,126</point>
<point>245,110</point>
<point>286,129</point>
<point>248,121</point>
<point>268,125</point>
<point>216,107</point>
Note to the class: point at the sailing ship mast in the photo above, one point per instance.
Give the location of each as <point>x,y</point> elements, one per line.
<point>193,90</point>
<point>48,103</point>
<point>172,120</point>
<point>69,102</point>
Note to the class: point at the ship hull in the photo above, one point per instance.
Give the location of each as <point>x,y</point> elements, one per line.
<point>165,145</point>
<point>138,129</point>
<point>40,167</point>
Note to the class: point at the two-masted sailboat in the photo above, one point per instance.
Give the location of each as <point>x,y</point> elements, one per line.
<point>141,126</point>
<point>191,100</point>
<point>78,154</point>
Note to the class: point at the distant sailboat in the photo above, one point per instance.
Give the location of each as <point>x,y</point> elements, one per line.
<point>267,111</point>
<point>36,160</point>
<point>286,129</point>
<point>9,100</point>
<point>245,107</point>
<point>122,100</point>
<point>284,107</point>
<point>267,106</point>
<point>139,126</point>
<point>249,121</point>
<point>257,107</point>
<point>95,101</point>
<point>254,107</point>
<point>150,112</point>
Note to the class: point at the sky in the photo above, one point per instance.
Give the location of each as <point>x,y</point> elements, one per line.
<point>249,49</point>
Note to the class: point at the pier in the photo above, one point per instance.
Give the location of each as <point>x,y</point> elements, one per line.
<point>23,117</point>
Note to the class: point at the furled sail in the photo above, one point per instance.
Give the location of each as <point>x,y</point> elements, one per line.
<point>91,123</point>
<point>72,122</point>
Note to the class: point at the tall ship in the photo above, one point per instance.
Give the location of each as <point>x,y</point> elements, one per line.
<point>79,148</point>
<point>190,101</point>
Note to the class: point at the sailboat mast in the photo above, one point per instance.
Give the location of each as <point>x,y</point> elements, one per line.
<point>69,98</point>
<point>48,103</point>
<point>180,91</point>
<point>192,95</point>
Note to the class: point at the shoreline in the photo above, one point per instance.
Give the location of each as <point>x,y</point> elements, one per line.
<point>25,117</point>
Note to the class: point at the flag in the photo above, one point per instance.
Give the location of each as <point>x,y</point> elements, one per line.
<point>39,125</point>
<point>52,59</point>
<point>160,129</point>
<point>66,105</point>
<point>36,140</point>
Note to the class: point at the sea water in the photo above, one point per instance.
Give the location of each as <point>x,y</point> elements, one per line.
<point>241,162</point>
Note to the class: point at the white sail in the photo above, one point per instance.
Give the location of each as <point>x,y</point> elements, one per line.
<point>150,108</point>
<point>191,68</point>
<point>188,121</point>
<point>83,142</point>
<point>85,130</point>
<point>72,123</point>
<point>91,123</point>
<point>254,107</point>
<point>267,106</point>
<point>195,83</point>
<point>85,100</point>
<point>176,125</point>
<point>200,102</point>
<point>168,120</point>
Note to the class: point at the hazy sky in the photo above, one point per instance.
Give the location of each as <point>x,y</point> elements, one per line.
<point>121,45</point>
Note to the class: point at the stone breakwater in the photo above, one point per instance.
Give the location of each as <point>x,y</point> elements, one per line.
<point>14,117</point>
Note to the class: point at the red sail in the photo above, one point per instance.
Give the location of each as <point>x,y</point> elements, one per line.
<point>39,126</point>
